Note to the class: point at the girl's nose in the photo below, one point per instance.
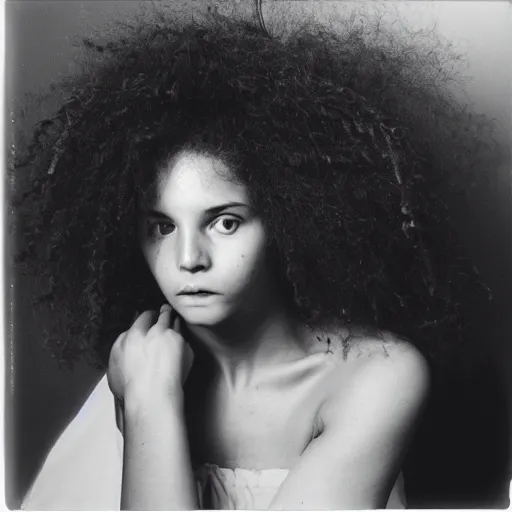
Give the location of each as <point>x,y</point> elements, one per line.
<point>192,254</point>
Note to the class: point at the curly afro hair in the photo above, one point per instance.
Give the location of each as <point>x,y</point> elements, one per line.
<point>354,151</point>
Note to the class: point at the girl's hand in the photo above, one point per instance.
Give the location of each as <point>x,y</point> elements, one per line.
<point>150,360</point>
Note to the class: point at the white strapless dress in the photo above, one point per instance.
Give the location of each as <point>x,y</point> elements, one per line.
<point>83,470</point>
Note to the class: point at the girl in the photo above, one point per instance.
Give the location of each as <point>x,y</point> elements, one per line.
<point>274,207</point>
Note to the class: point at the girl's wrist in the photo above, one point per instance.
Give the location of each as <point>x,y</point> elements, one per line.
<point>138,404</point>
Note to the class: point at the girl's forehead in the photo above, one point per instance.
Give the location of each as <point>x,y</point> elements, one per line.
<point>197,178</point>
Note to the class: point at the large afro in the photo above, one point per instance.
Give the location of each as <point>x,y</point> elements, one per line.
<point>354,148</point>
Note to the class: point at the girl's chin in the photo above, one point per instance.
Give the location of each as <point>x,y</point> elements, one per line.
<point>202,317</point>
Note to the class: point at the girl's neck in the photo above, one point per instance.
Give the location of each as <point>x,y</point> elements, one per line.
<point>244,348</point>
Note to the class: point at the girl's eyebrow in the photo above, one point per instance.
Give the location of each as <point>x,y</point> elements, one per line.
<point>213,210</point>
<point>154,213</point>
<point>221,207</point>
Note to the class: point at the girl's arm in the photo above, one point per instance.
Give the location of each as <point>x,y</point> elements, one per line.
<point>147,368</point>
<point>157,473</point>
<point>355,462</point>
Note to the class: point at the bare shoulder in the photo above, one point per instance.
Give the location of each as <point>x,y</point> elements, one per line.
<point>374,394</point>
<point>360,347</point>
<point>393,366</point>
<point>380,371</point>
<point>386,352</point>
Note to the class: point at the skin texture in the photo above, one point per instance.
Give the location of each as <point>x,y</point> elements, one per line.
<point>273,397</point>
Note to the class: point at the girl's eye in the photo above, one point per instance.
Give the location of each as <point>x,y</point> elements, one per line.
<point>161,228</point>
<point>227,225</point>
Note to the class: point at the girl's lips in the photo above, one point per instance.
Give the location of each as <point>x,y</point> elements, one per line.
<point>197,294</point>
<point>196,298</point>
<point>195,290</point>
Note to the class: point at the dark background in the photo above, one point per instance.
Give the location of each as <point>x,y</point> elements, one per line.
<point>461,458</point>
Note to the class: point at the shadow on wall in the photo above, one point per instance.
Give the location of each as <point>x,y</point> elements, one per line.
<point>460,458</point>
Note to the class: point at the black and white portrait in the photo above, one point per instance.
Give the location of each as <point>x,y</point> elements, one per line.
<point>258,254</point>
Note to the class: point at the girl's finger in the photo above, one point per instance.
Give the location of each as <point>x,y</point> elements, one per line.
<point>121,336</point>
<point>164,319</point>
<point>165,307</point>
<point>144,321</point>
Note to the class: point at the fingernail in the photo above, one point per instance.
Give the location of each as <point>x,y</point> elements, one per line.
<point>165,307</point>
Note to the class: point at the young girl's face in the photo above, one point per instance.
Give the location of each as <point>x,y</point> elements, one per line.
<point>203,242</point>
